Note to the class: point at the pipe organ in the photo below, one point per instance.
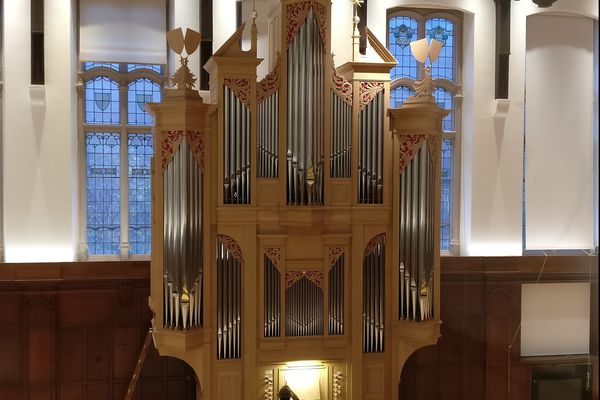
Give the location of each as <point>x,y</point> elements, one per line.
<point>273,265</point>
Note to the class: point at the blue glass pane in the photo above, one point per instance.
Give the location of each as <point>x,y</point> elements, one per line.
<point>103,196</point>
<point>155,68</point>
<point>402,30</point>
<point>91,65</point>
<point>444,99</point>
<point>399,96</point>
<point>141,91</point>
<point>442,29</point>
<point>101,101</point>
<point>446,206</point>
<point>139,149</point>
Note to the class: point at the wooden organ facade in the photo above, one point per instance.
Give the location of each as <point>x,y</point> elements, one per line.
<point>295,227</point>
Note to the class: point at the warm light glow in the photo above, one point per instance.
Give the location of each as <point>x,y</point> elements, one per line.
<point>303,378</point>
<point>24,254</point>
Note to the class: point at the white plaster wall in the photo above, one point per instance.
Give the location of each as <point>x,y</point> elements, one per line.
<point>185,14</point>
<point>40,158</point>
<point>223,22</point>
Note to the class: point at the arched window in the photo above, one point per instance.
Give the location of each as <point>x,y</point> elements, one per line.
<point>405,26</point>
<point>116,138</point>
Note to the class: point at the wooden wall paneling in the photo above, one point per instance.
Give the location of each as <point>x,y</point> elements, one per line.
<point>39,342</point>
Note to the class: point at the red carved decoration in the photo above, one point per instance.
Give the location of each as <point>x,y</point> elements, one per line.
<point>232,247</point>
<point>292,277</point>
<point>376,240</point>
<point>367,92</point>
<point>409,144</point>
<point>334,254</point>
<point>274,254</point>
<point>171,141</point>
<point>296,15</point>
<point>341,87</point>
<point>240,88</point>
<point>269,84</point>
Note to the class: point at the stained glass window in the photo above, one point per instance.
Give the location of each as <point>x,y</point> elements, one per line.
<point>90,65</point>
<point>152,67</point>
<point>446,206</point>
<point>402,31</point>
<point>399,96</point>
<point>101,101</point>
<point>124,136</point>
<point>103,197</point>
<point>444,99</point>
<point>141,91</point>
<point>442,29</point>
<point>139,151</point>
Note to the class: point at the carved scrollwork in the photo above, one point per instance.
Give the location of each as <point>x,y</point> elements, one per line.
<point>334,254</point>
<point>341,87</point>
<point>296,15</point>
<point>171,141</point>
<point>292,277</point>
<point>409,145</point>
<point>367,92</point>
<point>376,240</point>
<point>232,247</point>
<point>240,88</point>
<point>274,254</point>
<point>269,83</point>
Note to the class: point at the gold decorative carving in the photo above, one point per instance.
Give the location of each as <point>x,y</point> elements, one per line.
<point>232,247</point>
<point>367,92</point>
<point>240,88</point>
<point>269,84</point>
<point>334,254</point>
<point>376,240</point>
<point>274,254</point>
<point>292,277</point>
<point>171,141</point>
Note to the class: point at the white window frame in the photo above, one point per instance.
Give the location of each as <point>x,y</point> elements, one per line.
<point>455,88</point>
<point>123,79</point>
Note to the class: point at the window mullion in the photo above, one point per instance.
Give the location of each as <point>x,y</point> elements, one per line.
<point>123,179</point>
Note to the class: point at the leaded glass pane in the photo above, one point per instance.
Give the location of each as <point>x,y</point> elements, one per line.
<point>399,95</point>
<point>402,31</point>
<point>139,148</point>
<point>101,101</point>
<point>141,91</point>
<point>103,196</point>
<point>445,99</point>
<point>152,67</point>
<point>91,65</point>
<point>442,29</point>
<point>446,206</point>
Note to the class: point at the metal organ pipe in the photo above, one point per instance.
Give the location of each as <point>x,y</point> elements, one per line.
<point>336,298</point>
<point>341,148</point>
<point>228,303</point>
<point>182,239</point>
<point>374,299</point>
<point>272,277</point>
<point>304,308</point>
<point>417,218</point>
<point>370,162</point>
<point>236,149</point>
<point>268,137</point>
<point>305,116</point>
